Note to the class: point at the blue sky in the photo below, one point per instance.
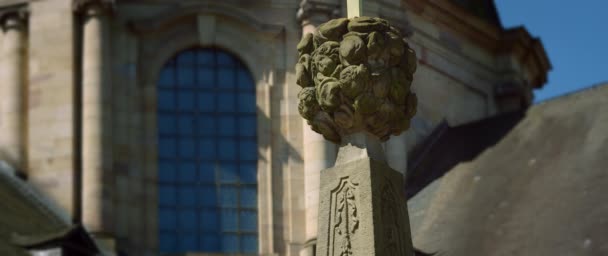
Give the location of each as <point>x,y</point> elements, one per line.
<point>575,36</point>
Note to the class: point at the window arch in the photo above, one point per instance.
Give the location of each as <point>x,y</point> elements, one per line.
<point>207,154</point>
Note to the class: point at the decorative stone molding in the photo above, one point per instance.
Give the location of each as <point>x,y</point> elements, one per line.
<point>93,7</point>
<point>355,76</point>
<point>311,8</point>
<point>361,211</point>
<point>166,19</point>
<point>14,16</point>
<point>343,218</point>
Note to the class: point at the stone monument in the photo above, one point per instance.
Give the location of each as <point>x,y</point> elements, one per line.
<point>355,75</point>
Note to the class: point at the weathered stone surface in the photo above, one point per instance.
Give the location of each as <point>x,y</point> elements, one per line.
<point>356,66</point>
<point>363,211</point>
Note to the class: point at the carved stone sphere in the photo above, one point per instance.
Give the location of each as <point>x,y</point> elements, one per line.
<point>355,76</point>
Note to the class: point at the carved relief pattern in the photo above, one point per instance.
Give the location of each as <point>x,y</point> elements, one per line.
<point>343,220</point>
<point>355,76</point>
<point>391,216</point>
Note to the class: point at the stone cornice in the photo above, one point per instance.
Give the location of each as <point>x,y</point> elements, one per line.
<point>173,15</point>
<point>312,8</point>
<point>518,42</point>
<point>13,16</point>
<point>529,52</point>
<point>93,7</point>
<point>448,15</point>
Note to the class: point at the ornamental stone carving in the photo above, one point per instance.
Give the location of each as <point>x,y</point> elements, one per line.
<point>355,76</point>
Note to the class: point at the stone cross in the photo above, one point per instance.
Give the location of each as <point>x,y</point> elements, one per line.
<point>353,8</point>
<point>355,75</point>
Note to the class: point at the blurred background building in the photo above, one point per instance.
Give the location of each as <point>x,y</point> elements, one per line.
<point>171,127</point>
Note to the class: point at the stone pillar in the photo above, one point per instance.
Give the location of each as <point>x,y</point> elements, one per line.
<point>364,210</point>
<point>355,77</point>
<point>319,154</point>
<point>396,153</point>
<point>13,87</point>
<point>96,121</point>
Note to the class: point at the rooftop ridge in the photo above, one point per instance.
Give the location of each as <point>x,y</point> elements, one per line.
<point>43,204</point>
<point>597,86</point>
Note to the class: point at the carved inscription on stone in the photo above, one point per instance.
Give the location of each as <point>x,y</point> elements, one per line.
<point>344,220</point>
<point>391,212</point>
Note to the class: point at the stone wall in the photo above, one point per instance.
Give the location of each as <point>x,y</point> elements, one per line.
<point>50,101</point>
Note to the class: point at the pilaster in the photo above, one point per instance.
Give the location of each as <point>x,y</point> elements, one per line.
<point>319,154</point>
<point>96,121</point>
<point>13,72</point>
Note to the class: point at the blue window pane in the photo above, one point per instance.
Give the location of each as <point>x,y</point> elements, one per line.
<point>206,148</point>
<point>185,124</point>
<point>168,242</point>
<point>167,77</point>
<point>186,101</point>
<point>207,172</point>
<point>224,59</point>
<point>248,149</point>
<point>166,147</point>
<point>166,171</point>
<point>248,172</point>
<point>229,196</point>
<point>225,78</point>
<point>186,220</point>
<point>229,220</point>
<point>167,219</point>
<point>206,102</point>
<point>227,125</point>
<point>204,58</point>
<point>207,169</point>
<point>248,197</point>
<point>185,77</point>
<point>166,99</point>
<point>247,126</point>
<point>225,102</point>
<point>246,103</point>
<point>249,244</point>
<point>166,123</point>
<point>229,173</point>
<point>204,78</point>
<point>244,79</point>
<point>227,149</point>
<point>210,220</point>
<point>206,125</point>
<point>166,195</point>
<point>248,220</point>
<point>186,196</point>
<point>187,172</point>
<point>187,148</point>
<point>210,243</point>
<point>230,243</point>
<point>188,243</point>
<point>208,196</point>
<point>186,58</point>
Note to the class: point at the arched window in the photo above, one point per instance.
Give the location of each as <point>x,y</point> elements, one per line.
<point>207,154</point>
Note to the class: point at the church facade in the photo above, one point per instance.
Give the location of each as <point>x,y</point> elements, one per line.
<point>172,127</point>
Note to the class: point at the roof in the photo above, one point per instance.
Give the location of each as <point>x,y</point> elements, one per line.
<point>540,190</point>
<point>471,139</point>
<point>24,213</point>
<point>483,9</point>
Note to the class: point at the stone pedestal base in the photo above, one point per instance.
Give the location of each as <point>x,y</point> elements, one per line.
<point>363,211</point>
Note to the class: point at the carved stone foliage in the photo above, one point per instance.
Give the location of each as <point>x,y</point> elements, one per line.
<point>392,220</point>
<point>355,76</point>
<point>343,220</point>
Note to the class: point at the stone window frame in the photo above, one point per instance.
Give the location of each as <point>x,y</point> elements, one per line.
<point>219,26</point>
